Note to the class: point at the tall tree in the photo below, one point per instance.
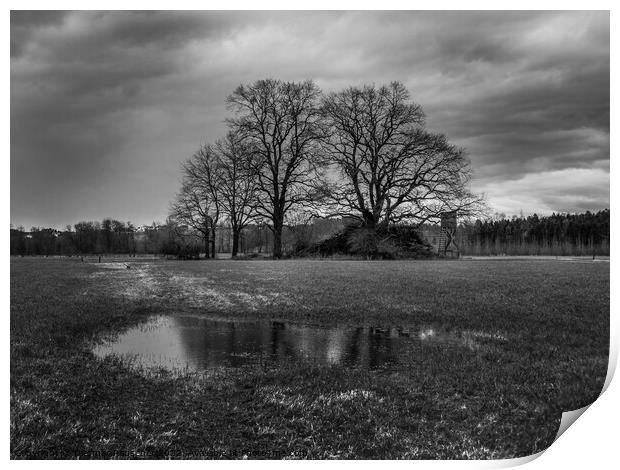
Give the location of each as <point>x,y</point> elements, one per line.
<point>392,169</point>
<point>197,205</point>
<point>202,170</point>
<point>281,121</point>
<point>237,183</point>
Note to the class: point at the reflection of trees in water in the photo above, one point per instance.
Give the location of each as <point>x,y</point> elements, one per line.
<point>211,343</point>
<point>380,347</point>
<point>202,343</point>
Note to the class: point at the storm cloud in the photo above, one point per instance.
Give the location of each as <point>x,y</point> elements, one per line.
<point>106,105</point>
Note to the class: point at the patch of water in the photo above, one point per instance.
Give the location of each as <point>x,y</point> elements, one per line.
<point>198,343</point>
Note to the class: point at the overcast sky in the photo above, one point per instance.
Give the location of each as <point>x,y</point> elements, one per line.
<point>106,105</point>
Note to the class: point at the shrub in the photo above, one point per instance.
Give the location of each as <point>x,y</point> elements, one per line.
<point>397,241</point>
<point>388,249</point>
<point>409,242</point>
<point>363,241</point>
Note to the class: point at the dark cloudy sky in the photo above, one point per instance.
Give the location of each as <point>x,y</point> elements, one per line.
<point>105,105</point>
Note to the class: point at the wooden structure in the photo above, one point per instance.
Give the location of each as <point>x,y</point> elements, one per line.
<point>447,239</point>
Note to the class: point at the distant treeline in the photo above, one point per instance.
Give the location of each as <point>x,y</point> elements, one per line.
<point>557,234</point>
<point>168,239</point>
<point>108,236</point>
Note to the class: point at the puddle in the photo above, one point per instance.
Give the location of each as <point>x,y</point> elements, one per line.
<point>199,344</point>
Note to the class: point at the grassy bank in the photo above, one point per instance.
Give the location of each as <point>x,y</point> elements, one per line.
<point>501,401</point>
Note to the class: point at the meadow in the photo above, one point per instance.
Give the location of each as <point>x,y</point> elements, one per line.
<point>544,325</point>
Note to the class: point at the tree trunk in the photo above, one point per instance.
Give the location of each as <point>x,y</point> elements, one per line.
<point>213,243</point>
<point>235,242</point>
<point>369,220</point>
<point>277,237</point>
<point>207,246</point>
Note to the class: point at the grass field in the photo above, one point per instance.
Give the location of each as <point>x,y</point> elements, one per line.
<point>499,402</point>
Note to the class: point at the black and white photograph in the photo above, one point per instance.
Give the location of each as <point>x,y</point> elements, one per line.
<point>306,234</point>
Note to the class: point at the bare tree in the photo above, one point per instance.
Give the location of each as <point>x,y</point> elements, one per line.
<point>203,170</point>
<point>281,121</point>
<point>392,168</point>
<point>237,184</point>
<point>197,205</point>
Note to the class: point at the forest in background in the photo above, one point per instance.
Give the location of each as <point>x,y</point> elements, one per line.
<point>557,235</point>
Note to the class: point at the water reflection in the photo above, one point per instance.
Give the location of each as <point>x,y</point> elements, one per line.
<point>198,343</point>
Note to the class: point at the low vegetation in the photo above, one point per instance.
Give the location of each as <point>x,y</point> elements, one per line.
<point>503,401</point>
<point>393,242</point>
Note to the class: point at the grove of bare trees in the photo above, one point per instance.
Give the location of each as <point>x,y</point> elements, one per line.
<point>361,153</point>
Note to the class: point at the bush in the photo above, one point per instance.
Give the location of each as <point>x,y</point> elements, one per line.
<point>398,241</point>
<point>409,242</point>
<point>363,241</point>
<point>387,249</point>
<point>334,245</point>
